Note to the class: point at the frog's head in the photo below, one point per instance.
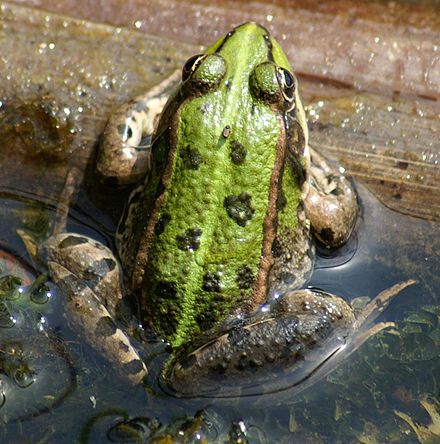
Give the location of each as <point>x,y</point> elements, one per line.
<point>246,66</point>
<point>250,53</point>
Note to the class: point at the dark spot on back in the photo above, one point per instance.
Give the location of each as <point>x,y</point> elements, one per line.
<point>161,224</point>
<point>238,152</point>
<point>239,208</point>
<point>191,158</point>
<point>105,327</point>
<point>206,319</point>
<point>211,282</point>
<point>71,241</point>
<point>245,278</point>
<point>189,240</point>
<point>166,290</point>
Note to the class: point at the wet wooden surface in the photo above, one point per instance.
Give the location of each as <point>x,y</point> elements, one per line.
<point>390,46</point>
<point>370,75</point>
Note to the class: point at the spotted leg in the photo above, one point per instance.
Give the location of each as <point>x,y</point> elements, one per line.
<point>90,279</point>
<point>304,336</point>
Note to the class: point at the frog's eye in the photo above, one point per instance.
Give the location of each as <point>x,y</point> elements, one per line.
<point>273,85</point>
<point>287,83</point>
<point>191,65</point>
<point>203,72</point>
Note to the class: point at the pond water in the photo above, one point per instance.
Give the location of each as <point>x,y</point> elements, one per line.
<point>55,388</point>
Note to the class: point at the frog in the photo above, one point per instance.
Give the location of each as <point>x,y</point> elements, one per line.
<point>218,236</point>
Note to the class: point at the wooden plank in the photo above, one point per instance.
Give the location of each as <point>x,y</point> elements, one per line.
<point>66,72</point>
<point>388,141</point>
<point>385,46</point>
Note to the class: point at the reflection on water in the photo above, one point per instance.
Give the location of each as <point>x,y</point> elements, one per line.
<point>52,383</point>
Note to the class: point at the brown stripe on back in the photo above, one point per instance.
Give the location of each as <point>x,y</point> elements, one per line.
<point>148,232</point>
<point>225,39</point>
<point>270,221</point>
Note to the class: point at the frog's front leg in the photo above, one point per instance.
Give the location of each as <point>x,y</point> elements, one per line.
<point>90,278</point>
<point>122,159</point>
<point>330,202</point>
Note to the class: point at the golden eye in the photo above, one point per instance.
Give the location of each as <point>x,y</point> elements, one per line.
<point>287,83</point>
<point>191,65</point>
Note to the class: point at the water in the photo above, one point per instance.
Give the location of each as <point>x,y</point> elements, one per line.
<point>55,388</point>
<point>76,394</point>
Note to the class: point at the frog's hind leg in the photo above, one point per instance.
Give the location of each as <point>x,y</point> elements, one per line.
<point>330,202</point>
<point>90,279</point>
<point>285,347</point>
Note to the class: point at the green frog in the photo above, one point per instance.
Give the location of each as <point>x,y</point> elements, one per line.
<point>218,236</point>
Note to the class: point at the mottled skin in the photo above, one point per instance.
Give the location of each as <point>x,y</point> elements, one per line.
<point>219,226</point>
<point>226,180</point>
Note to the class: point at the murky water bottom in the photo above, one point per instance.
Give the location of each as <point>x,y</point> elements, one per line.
<point>74,395</point>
